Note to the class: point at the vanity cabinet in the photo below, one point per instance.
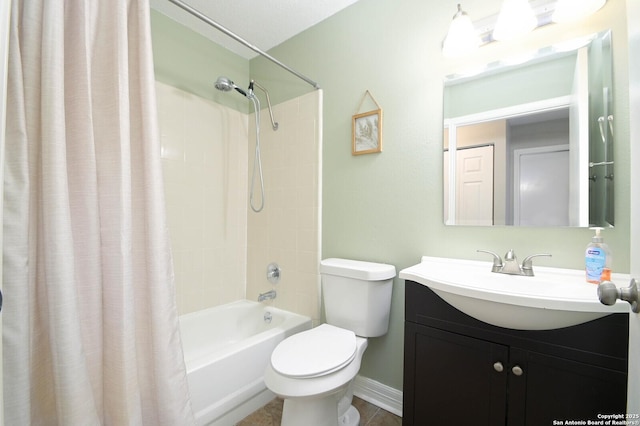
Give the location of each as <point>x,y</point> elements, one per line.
<point>461,371</point>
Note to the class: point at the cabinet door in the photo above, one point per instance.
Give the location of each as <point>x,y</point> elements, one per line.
<point>552,388</point>
<point>454,380</point>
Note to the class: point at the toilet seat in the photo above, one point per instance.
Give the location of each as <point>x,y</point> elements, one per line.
<point>316,352</point>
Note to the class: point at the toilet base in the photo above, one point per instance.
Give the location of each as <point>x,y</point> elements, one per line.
<point>317,412</point>
<point>350,418</point>
<point>311,412</point>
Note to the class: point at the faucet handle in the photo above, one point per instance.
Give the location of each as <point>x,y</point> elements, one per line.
<point>273,273</point>
<point>527,263</point>
<point>497,260</point>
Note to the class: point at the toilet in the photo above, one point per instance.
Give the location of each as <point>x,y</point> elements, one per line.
<point>313,371</point>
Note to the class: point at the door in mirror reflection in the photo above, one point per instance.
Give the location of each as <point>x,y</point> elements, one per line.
<point>514,171</point>
<point>474,185</point>
<point>541,186</point>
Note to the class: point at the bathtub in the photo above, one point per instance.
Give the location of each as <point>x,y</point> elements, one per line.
<point>226,350</point>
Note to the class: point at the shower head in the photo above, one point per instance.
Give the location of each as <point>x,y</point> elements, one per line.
<point>225,84</point>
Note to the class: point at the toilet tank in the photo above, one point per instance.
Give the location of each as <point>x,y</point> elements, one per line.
<point>357,295</point>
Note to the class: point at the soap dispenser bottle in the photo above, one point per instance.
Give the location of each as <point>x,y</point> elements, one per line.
<point>598,259</point>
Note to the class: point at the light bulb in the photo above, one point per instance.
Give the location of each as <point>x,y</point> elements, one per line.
<point>516,18</point>
<point>461,38</point>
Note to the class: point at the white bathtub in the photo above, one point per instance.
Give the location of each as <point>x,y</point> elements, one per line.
<point>226,350</point>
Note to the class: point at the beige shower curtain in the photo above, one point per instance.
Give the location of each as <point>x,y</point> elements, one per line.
<point>90,322</point>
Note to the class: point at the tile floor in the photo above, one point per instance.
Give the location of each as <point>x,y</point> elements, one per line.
<point>370,415</point>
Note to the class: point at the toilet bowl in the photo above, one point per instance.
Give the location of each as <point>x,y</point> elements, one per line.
<point>314,370</point>
<point>316,392</point>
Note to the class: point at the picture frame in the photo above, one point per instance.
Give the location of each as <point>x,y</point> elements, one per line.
<point>367,132</point>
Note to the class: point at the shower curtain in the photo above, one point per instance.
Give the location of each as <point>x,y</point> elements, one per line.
<point>90,320</point>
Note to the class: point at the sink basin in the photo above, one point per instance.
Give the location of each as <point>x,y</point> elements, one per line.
<point>553,298</point>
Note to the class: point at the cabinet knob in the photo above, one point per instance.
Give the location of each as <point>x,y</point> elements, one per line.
<point>517,370</point>
<point>498,367</point>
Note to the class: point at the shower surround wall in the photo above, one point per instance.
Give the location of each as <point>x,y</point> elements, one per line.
<point>288,230</point>
<point>220,247</point>
<point>204,157</point>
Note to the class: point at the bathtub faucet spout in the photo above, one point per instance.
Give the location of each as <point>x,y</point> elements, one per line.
<point>267,296</point>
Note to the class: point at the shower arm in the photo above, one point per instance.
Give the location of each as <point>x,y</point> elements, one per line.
<point>274,124</point>
<point>239,39</point>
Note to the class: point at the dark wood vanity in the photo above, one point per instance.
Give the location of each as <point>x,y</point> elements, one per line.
<point>461,371</point>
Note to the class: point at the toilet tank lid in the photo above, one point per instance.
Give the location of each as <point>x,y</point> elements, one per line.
<point>357,269</point>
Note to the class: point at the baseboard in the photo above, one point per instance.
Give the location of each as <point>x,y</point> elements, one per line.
<point>381,395</point>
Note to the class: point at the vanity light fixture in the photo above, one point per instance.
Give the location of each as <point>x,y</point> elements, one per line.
<point>516,19</point>
<point>572,10</point>
<point>462,38</point>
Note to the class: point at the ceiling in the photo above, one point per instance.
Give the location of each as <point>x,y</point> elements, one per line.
<point>263,23</point>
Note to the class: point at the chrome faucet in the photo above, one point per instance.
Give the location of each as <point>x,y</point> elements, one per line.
<point>510,265</point>
<point>269,295</point>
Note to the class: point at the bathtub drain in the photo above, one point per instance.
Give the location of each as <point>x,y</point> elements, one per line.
<point>268,317</point>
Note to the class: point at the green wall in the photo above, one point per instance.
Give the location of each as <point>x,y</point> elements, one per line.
<point>539,81</point>
<point>388,206</point>
<point>187,60</point>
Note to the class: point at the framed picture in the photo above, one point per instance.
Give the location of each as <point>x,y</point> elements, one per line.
<point>367,132</point>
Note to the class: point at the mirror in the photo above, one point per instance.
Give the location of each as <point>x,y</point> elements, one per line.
<point>530,143</point>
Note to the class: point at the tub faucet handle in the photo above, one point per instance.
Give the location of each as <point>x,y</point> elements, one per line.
<point>273,273</point>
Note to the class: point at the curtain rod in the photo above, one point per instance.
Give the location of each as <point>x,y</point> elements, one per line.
<point>236,37</point>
